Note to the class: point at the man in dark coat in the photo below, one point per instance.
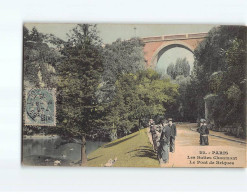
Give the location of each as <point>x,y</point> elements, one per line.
<point>203,130</point>
<point>173,135</point>
<point>198,130</point>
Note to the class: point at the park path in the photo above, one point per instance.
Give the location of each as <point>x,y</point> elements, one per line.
<point>187,147</point>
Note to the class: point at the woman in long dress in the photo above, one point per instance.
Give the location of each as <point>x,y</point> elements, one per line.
<point>164,146</point>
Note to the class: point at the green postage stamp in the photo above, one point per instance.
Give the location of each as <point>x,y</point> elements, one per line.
<point>40,107</point>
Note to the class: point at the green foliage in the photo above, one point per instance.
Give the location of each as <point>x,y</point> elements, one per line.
<point>138,96</point>
<point>210,57</point>
<point>233,93</point>
<point>171,70</point>
<point>39,59</point>
<point>120,57</point>
<point>180,73</point>
<point>123,57</point>
<point>183,109</point>
<point>78,78</point>
<point>181,67</point>
<point>215,81</point>
<point>220,62</point>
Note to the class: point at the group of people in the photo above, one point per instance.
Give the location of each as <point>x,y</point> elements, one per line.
<point>164,134</point>
<point>163,137</point>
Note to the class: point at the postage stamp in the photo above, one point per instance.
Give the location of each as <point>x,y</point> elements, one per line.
<point>40,107</point>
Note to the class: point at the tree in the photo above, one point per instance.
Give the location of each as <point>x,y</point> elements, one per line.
<point>171,71</point>
<point>232,90</point>
<point>119,118</point>
<point>138,96</point>
<point>123,57</point>
<point>78,79</point>
<point>40,59</point>
<point>219,69</point>
<point>155,92</point>
<point>120,57</point>
<point>181,67</point>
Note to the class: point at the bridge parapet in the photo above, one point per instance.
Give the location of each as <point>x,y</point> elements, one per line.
<point>174,37</point>
<point>197,35</point>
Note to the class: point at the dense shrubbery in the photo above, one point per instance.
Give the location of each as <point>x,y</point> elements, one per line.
<point>220,62</point>
<point>181,110</point>
<point>138,97</point>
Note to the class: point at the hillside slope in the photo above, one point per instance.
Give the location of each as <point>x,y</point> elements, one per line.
<point>133,150</point>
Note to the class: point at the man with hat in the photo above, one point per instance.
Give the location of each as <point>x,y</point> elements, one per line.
<point>203,130</point>
<point>198,130</point>
<point>173,134</point>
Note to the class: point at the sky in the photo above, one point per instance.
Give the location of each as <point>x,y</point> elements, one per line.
<point>111,32</point>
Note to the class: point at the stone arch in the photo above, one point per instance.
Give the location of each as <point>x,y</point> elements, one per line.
<point>165,47</point>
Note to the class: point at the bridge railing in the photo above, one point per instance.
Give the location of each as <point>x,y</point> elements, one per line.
<point>152,39</point>
<point>174,37</point>
<point>197,35</point>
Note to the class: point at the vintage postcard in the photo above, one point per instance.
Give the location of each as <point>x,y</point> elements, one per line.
<point>134,95</point>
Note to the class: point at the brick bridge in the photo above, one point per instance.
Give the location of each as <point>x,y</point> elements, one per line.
<point>156,46</point>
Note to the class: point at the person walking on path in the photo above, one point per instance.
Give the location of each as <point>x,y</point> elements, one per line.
<point>153,133</point>
<point>198,130</point>
<point>164,147</point>
<point>173,135</point>
<point>158,133</point>
<point>203,130</point>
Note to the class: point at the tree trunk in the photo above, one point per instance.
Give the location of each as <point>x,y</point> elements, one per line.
<point>83,152</point>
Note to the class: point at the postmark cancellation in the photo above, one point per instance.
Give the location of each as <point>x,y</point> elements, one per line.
<point>40,107</point>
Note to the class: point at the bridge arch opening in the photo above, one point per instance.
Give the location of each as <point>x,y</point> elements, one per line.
<point>169,53</point>
<point>167,46</point>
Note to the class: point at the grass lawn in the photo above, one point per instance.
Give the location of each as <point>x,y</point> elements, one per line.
<point>133,150</point>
